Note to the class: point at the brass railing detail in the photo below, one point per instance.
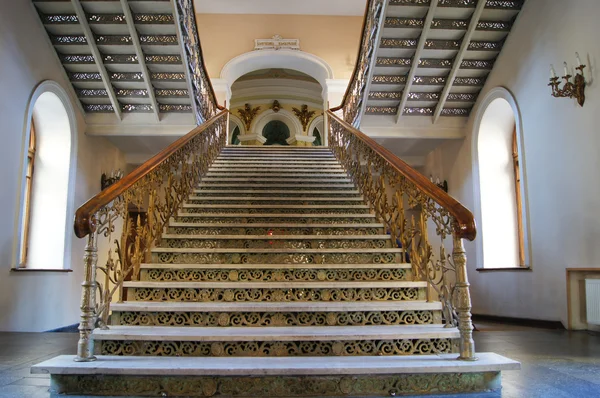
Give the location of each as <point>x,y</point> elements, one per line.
<point>206,105</point>
<point>152,194</point>
<point>416,213</point>
<point>356,92</point>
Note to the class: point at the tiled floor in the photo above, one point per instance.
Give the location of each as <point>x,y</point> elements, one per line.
<point>556,363</point>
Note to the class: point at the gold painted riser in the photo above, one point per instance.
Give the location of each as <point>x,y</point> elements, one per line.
<point>303,348</point>
<point>276,210</point>
<point>275,275</point>
<point>292,202</point>
<point>265,319</point>
<point>275,219</point>
<point>273,229</point>
<point>246,256</point>
<point>271,243</point>
<point>271,294</point>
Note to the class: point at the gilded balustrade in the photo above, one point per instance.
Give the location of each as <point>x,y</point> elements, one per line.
<point>356,92</point>
<point>129,218</point>
<point>421,218</point>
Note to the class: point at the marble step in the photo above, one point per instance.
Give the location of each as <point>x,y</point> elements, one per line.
<point>277,156</point>
<point>328,159</point>
<point>238,292</point>
<point>290,185</point>
<point>139,313</point>
<point>280,255</point>
<point>284,167</point>
<point>274,163</point>
<point>272,179</point>
<point>275,193</point>
<point>274,209</point>
<point>259,218</point>
<point>291,174</point>
<point>249,266</point>
<point>297,201</point>
<point>276,228</point>
<point>307,333</point>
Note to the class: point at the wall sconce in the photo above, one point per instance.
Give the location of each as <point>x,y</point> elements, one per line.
<point>443,185</point>
<point>106,180</point>
<point>571,89</point>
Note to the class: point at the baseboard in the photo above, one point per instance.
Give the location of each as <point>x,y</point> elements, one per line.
<point>534,323</point>
<point>65,329</point>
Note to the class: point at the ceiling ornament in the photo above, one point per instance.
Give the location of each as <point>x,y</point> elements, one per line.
<point>248,114</point>
<point>277,43</point>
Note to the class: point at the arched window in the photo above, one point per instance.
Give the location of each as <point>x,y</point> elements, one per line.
<point>235,140</point>
<point>317,135</point>
<point>500,187</point>
<point>47,203</point>
<point>276,132</point>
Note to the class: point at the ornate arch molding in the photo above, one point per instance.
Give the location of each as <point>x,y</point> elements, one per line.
<point>299,61</point>
<point>491,96</point>
<point>283,115</point>
<point>47,86</point>
<point>319,124</point>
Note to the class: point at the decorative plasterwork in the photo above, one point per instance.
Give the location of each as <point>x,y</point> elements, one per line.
<point>449,24</point>
<point>440,44</point>
<point>416,111</point>
<point>491,4</point>
<point>434,63</point>
<point>276,43</point>
<point>119,19</point>
<point>428,80</point>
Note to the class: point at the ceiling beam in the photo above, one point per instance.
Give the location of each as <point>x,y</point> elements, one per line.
<point>135,39</point>
<point>416,59</point>
<point>91,40</point>
<point>464,46</point>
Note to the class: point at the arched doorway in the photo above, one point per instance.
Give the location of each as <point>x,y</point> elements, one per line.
<point>276,132</point>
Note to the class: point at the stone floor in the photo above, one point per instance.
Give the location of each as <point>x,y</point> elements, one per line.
<point>556,363</point>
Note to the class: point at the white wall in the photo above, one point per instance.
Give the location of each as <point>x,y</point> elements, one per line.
<point>36,301</point>
<point>560,147</point>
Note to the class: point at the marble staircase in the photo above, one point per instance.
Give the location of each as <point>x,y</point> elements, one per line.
<point>278,274</point>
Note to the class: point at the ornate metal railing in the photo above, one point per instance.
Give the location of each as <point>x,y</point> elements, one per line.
<point>356,93</point>
<point>416,213</point>
<point>128,218</point>
<point>205,102</point>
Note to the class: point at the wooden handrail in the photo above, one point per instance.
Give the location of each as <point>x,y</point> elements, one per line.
<point>84,222</point>
<point>467,228</point>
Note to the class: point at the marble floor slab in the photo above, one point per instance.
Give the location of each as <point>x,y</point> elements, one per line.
<point>555,363</point>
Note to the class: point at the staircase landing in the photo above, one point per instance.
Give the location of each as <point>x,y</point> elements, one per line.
<point>272,377</point>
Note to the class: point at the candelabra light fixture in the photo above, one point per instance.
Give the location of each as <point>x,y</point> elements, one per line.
<point>572,88</point>
<point>441,184</point>
<point>106,180</point>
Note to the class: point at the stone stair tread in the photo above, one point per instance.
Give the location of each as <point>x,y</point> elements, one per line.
<point>276,237</point>
<point>261,251</point>
<point>279,199</point>
<point>275,191</point>
<point>145,306</point>
<point>277,185</point>
<point>224,206</point>
<point>275,266</point>
<point>230,173</point>
<point>343,180</point>
<point>276,333</point>
<point>275,225</point>
<point>274,366</point>
<point>275,285</point>
<point>274,215</point>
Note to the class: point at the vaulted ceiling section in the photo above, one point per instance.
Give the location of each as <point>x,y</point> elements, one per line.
<point>120,56</point>
<point>434,56</point>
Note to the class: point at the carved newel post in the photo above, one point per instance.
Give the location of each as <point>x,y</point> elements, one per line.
<point>85,346</point>
<point>462,301</point>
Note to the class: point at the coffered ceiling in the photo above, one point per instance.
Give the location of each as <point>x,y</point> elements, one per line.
<point>433,56</point>
<point>121,56</point>
<point>305,7</point>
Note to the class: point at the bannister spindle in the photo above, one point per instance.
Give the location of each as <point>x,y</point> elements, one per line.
<point>462,301</point>
<point>85,346</point>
